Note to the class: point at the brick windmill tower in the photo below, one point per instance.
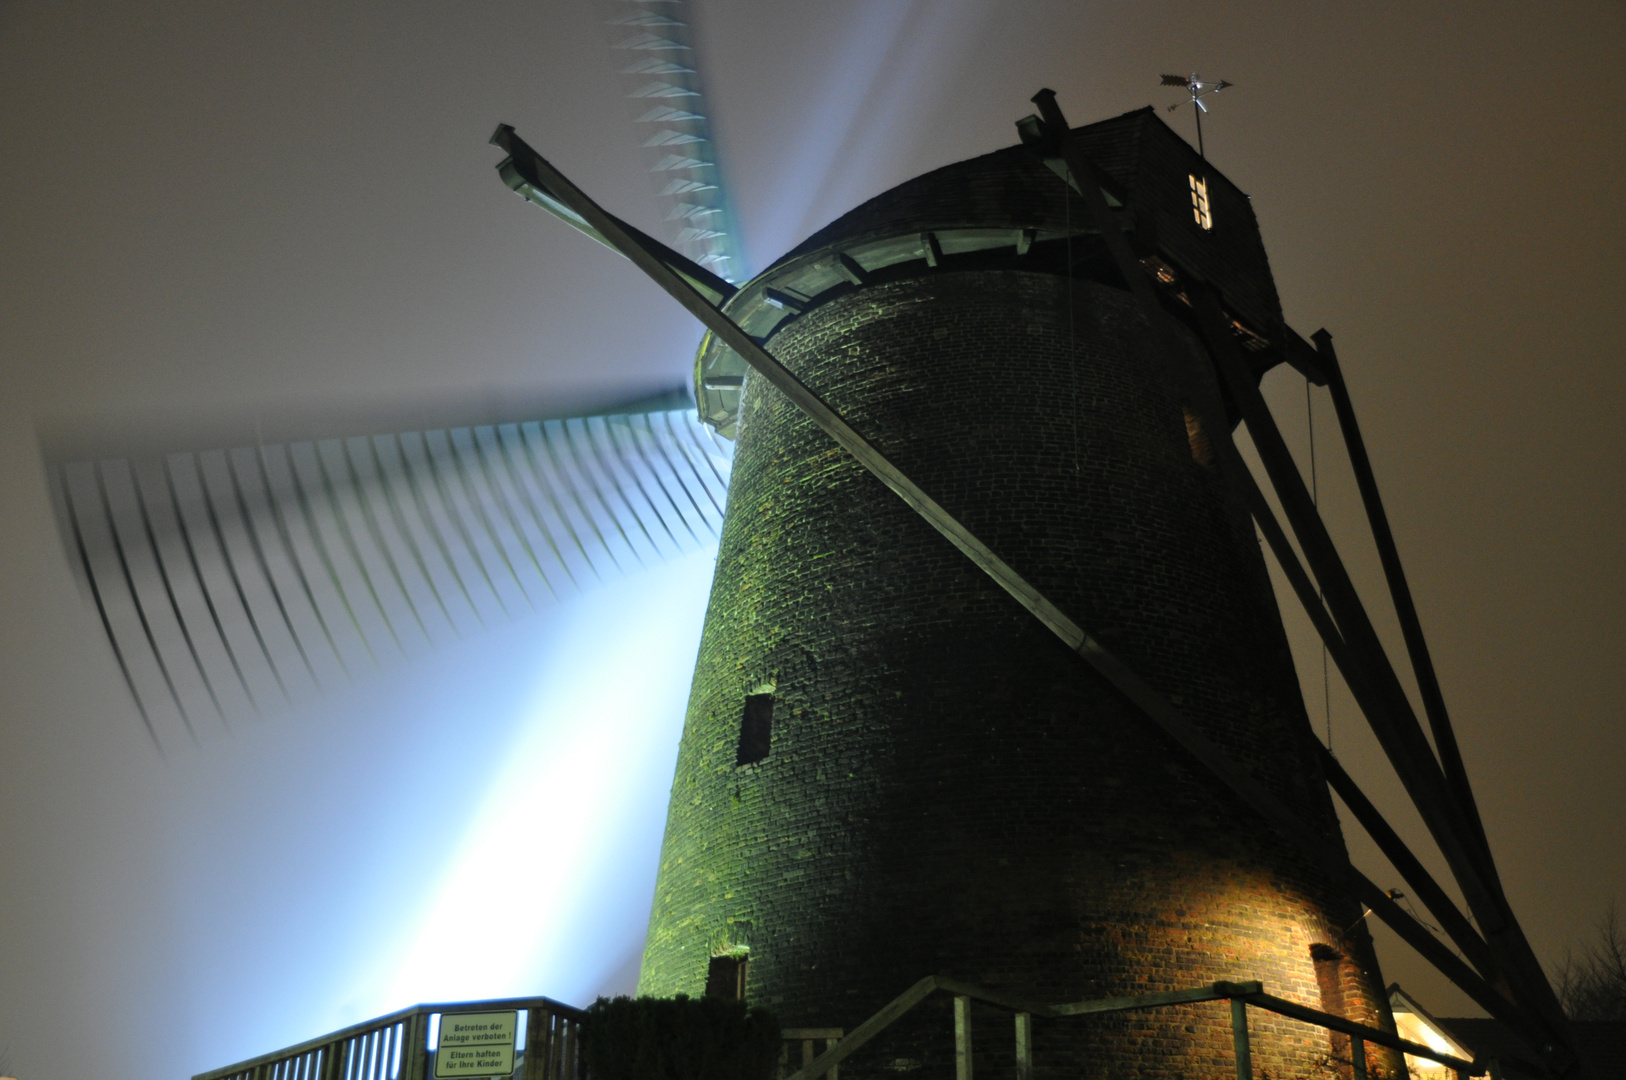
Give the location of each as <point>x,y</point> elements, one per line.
<point>904,755</point>
<point>889,769</point>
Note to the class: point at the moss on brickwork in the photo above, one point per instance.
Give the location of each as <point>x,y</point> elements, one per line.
<point>948,789</point>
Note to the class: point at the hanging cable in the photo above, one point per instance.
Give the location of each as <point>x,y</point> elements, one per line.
<point>1072,346</point>
<point>1315,499</point>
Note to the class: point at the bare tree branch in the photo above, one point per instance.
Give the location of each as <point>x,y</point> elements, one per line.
<point>1591,981</point>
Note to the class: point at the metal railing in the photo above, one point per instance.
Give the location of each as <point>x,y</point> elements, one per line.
<point>808,1037</point>
<point>1240,994</point>
<point>397,1046</point>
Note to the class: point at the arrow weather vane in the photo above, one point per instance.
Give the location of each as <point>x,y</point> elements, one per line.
<point>1198,89</point>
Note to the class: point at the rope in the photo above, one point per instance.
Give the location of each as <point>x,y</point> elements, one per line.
<point>1315,500</point>
<point>1072,346</point>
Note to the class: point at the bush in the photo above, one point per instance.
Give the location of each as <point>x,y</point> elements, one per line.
<point>679,1038</point>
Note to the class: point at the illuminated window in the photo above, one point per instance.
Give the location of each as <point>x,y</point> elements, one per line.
<point>725,977</point>
<point>756,729</point>
<point>1199,203</point>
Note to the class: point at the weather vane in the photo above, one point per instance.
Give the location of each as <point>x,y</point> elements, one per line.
<point>1198,89</point>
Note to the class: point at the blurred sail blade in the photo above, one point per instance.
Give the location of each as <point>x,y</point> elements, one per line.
<point>673,110</point>
<point>231,582</point>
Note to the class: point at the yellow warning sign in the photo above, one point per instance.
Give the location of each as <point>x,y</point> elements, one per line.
<point>475,1044</point>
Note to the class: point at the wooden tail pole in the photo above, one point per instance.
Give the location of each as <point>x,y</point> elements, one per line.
<point>1411,627</point>
<point>1396,725</point>
<point>1423,886</point>
<point>1520,960</point>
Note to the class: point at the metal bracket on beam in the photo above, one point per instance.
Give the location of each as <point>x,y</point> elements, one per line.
<point>519,172</point>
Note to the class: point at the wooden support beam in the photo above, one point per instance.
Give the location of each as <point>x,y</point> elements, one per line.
<point>1408,750</point>
<point>851,269</point>
<point>790,303</point>
<point>1213,992</point>
<point>1395,725</point>
<point>1411,628</point>
<point>1422,883</point>
<point>1423,886</point>
<point>933,250</point>
<point>1525,966</point>
<point>528,188</point>
<point>863,1033</point>
<point>1356,1032</point>
<point>1239,1039</point>
<point>1024,1046</point>
<point>1085,179</point>
<point>962,1038</point>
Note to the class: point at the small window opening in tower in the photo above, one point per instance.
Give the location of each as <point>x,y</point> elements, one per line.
<point>1329,977</point>
<point>1199,202</point>
<point>756,729</point>
<point>725,977</point>
<point>1202,451</point>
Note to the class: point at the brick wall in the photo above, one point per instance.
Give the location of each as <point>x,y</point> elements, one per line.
<point>948,790</point>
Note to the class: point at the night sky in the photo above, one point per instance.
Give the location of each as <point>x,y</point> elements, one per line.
<point>229,215</point>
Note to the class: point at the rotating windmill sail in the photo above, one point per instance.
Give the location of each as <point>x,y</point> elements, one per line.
<point>233,576</point>
<point>671,114</point>
<point>234,580</point>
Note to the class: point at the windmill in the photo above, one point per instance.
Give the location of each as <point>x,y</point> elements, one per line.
<point>923,631</point>
<point>787,301</point>
<point>1197,88</point>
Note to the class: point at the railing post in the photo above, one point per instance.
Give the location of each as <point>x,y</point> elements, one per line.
<point>572,1062</point>
<point>536,1044</point>
<point>331,1053</point>
<point>962,1037</point>
<point>1357,1056</point>
<point>1239,1037</point>
<point>414,1034</point>
<point>555,1068</point>
<point>1024,1046</point>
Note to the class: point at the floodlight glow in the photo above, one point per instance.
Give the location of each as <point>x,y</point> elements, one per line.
<point>568,836</point>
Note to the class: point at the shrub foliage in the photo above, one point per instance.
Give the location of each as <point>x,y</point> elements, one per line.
<point>680,1038</point>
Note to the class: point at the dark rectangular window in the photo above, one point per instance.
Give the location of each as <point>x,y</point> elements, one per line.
<point>725,977</point>
<point>756,728</point>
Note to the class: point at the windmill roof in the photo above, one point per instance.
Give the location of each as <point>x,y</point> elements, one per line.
<point>1009,187</point>
<point>1145,165</point>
